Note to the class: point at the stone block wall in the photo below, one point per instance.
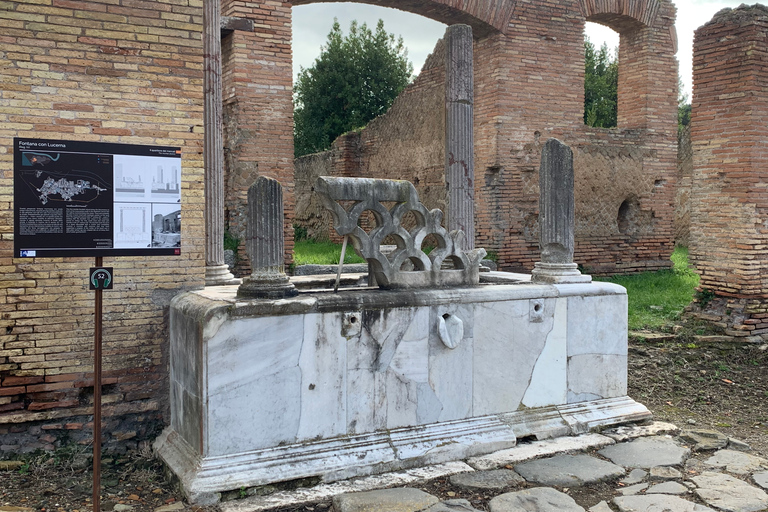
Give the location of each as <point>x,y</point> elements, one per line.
<point>128,72</point>
<point>529,80</point>
<point>729,206</point>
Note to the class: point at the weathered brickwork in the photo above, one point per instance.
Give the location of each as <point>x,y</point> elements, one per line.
<point>529,87</point>
<point>112,71</point>
<point>729,206</point>
<point>258,108</point>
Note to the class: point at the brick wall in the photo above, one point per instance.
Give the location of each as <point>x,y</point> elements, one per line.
<point>258,107</point>
<point>528,87</point>
<point>112,71</point>
<point>729,133</point>
<point>729,205</point>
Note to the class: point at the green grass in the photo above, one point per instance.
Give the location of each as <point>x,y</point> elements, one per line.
<point>310,252</point>
<point>656,299</point>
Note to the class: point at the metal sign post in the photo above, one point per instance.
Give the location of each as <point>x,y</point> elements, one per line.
<point>100,278</point>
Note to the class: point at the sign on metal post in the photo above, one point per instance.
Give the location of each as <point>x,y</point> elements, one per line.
<point>74,198</point>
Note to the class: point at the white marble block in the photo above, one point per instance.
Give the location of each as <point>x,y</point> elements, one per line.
<point>366,381</point>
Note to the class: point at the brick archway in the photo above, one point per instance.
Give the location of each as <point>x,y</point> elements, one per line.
<point>484,17</point>
<point>529,72</point>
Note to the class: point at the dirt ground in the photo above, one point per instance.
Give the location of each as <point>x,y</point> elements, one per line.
<point>720,386</point>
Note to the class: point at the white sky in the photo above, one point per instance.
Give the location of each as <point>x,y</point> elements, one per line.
<point>313,22</point>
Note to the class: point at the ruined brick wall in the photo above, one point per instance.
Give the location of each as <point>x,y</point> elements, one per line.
<point>729,206</point>
<point>728,132</point>
<point>528,87</point>
<point>128,72</point>
<point>258,108</point>
<point>405,143</point>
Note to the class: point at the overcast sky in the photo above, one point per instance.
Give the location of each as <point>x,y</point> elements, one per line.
<point>312,23</point>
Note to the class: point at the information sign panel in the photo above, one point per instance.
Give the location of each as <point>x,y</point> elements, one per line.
<point>74,198</point>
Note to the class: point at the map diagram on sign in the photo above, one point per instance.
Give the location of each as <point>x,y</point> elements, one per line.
<point>70,186</point>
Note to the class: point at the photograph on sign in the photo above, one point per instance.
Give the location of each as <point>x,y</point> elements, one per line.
<point>74,198</point>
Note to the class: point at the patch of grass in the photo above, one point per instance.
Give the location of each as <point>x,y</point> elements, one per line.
<point>656,299</point>
<point>311,252</point>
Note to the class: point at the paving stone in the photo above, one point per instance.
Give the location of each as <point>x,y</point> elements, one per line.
<point>665,473</point>
<point>704,440</point>
<point>171,508</point>
<point>739,445</point>
<point>633,489</point>
<point>568,470</point>
<point>728,493</point>
<point>647,452</point>
<point>404,499</point>
<point>658,503</point>
<point>600,507</point>
<point>634,431</point>
<point>739,463</point>
<point>538,499</point>
<point>120,507</point>
<point>667,488</point>
<point>480,480</point>
<point>10,465</point>
<point>529,451</point>
<point>452,506</point>
<point>761,479</point>
<point>635,476</point>
<point>16,509</point>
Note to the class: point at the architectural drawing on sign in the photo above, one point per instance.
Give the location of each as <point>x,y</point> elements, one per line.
<point>166,180</point>
<point>132,226</point>
<point>166,225</point>
<point>128,181</point>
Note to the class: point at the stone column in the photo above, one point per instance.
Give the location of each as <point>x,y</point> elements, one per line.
<point>556,217</point>
<point>216,271</point>
<point>264,243</point>
<point>459,135</point>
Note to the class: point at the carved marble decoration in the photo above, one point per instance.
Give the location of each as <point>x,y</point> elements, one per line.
<point>451,330</point>
<point>394,270</point>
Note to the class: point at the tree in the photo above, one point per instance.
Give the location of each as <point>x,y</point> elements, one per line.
<point>601,86</point>
<point>355,79</point>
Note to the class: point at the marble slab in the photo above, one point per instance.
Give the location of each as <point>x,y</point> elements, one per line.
<point>365,381</point>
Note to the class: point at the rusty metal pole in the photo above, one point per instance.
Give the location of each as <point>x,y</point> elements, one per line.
<point>97,398</point>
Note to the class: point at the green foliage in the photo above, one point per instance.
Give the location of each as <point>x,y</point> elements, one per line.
<point>683,107</point>
<point>231,242</point>
<point>299,232</point>
<point>311,252</point>
<point>355,78</point>
<point>601,86</point>
<point>658,298</point>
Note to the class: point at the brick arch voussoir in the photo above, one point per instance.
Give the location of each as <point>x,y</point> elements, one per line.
<point>622,15</point>
<point>485,17</point>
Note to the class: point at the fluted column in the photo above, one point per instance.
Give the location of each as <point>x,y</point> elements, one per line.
<point>556,217</point>
<point>216,271</point>
<point>264,242</point>
<point>459,134</point>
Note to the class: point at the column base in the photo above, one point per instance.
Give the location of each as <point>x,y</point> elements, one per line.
<point>558,273</point>
<point>219,275</point>
<point>267,285</point>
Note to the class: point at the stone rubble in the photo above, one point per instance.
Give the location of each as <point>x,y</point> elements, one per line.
<point>650,473</point>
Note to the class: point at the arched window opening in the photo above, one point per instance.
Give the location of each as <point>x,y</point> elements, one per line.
<point>601,76</point>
